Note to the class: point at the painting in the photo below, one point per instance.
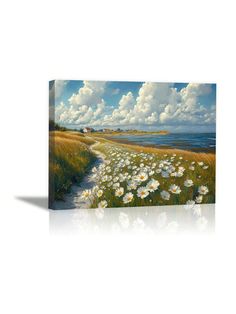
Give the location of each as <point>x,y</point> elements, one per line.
<point>119,144</point>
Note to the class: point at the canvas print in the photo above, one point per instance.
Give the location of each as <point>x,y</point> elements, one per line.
<point>131,144</point>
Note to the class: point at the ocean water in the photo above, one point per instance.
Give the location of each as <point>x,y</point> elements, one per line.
<point>200,142</point>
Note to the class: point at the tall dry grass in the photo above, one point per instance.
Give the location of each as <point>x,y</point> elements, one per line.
<point>193,156</point>
<point>69,159</point>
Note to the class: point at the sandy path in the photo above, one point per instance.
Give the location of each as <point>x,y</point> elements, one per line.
<point>73,199</point>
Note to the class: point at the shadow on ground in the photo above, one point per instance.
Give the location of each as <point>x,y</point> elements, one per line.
<point>39,201</point>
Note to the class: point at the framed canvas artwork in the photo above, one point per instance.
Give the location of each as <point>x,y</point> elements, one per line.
<point>131,144</point>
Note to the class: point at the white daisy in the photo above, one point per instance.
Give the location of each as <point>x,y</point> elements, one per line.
<point>102,204</point>
<point>128,198</point>
<point>104,178</point>
<point>142,176</point>
<point>99,193</point>
<point>188,183</point>
<point>116,185</point>
<point>142,192</point>
<point>181,169</point>
<point>198,199</point>
<point>175,189</point>
<point>119,192</point>
<point>203,190</point>
<point>94,169</point>
<point>189,204</point>
<point>85,194</point>
<point>127,162</point>
<point>132,185</point>
<point>152,185</point>
<point>95,189</point>
<point>115,179</point>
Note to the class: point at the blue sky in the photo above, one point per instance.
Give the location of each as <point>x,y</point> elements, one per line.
<point>177,107</point>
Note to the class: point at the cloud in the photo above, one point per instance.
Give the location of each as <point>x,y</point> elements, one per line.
<point>84,106</point>
<point>119,114</point>
<point>89,94</point>
<point>151,101</point>
<point>161,103</point>
<point>81,116</point>
<point>100,108</point>
<point>157,105</point>
<point>127,102</point>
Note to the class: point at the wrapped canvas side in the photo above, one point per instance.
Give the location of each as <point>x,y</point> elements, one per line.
<point>51,165</point>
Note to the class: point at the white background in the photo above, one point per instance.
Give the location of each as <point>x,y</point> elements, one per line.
<point>110,40</point>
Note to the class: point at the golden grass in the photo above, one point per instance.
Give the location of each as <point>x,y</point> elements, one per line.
<point>208,157</point>
<point>76,136</point>
<point>205,157</point>
<point>69,159</point>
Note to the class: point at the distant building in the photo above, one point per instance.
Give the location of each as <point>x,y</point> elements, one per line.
<point>88,130</point>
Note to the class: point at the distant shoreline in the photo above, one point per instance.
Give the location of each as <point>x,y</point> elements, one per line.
<point>130,142</point>
<point>134,133</point>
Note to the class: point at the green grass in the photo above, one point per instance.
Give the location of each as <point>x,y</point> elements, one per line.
<point>199,176</point>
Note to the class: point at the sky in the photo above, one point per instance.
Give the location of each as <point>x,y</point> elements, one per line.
<point>175,107</point>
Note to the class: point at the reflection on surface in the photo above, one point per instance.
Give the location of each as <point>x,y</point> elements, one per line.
<point>151,220</point>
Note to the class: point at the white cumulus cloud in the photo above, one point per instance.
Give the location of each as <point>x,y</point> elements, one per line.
<point>90,94</point>
<point>157,105</point>
<point>84,106</point>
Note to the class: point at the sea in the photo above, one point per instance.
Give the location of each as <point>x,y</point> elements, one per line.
<point>200,142</point>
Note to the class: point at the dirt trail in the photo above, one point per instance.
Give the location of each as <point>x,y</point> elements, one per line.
<point>73,199</point>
